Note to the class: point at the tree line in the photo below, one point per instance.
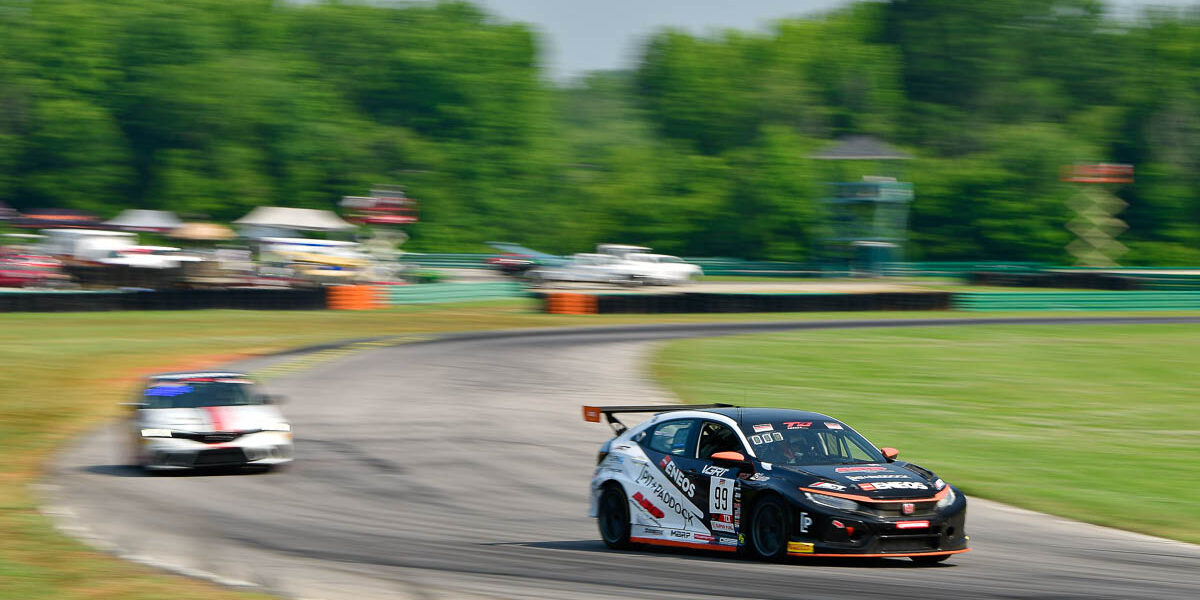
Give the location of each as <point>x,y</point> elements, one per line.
<point>703,149</point>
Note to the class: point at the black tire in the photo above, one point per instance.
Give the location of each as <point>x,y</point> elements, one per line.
<point>929,560</point>
<point>770,528</point>
<point>612,517</point>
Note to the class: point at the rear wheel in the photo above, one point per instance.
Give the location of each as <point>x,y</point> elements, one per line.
<point>613,517</point>
<point>929,560</point>
<point>770,528</point>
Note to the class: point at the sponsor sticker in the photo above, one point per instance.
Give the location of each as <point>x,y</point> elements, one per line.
<point>703,537</point>
<point>893,485</point>
<point>805,522</point>
<point>664,493</point>
<point>763,427</point>
<point>912,525</point>
<point>652,531</point>
<point>829,485</point>
<point>859,469</point>
<point>720,496</point>
<point>833,425</point>
<point>776,436</point>
<point>754,477</point>
<point>800,547</point>
<point>723,526</point>
<point>681,534</point>
<point>714,470</point>
<point>647,505</point>
<point>678,477</point>
<point>757,439</point>
<point>727,541</point>
<point>797,424</point>
<point>168,389</point>
<point>884,476</point>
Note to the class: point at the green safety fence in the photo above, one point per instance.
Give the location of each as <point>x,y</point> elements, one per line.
<point>1097,300</point>
<point>447,260</point>
<point>452,292</point>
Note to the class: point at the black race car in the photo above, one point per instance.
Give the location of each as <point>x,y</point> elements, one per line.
<point>771,482</point>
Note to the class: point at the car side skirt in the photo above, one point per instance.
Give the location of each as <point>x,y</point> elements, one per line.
<point>678,544</point>
<point>892,555</point>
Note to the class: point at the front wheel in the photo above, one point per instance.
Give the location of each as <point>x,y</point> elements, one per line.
<point>770,528</point>
<point>613,517</point>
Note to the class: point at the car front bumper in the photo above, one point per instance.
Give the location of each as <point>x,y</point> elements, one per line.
<point>926,535</point>
<point>263,448</point>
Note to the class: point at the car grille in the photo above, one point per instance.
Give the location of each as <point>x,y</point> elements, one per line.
<point>221,456</point>
<point>908,543</point>
<point>216,437</point>
<point>895,509</point>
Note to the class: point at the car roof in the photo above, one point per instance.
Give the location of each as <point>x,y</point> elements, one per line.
<point>197,374</point>
<point>767,415</point>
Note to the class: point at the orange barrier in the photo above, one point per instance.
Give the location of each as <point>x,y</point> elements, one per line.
<point>355,297</point>
<point>571,304</point>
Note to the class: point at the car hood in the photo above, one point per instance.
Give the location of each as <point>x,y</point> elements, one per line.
<point>213,418</point>
<point>879,481</point>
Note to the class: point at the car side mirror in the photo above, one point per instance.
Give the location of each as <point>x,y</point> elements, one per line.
<point>890,453</point>
<point>733,460</point>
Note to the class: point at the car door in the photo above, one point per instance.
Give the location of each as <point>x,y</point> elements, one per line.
<point>666,494</point>
<point>721,484</point>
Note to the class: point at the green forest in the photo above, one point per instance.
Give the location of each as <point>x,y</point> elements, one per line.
<point>703,148</point>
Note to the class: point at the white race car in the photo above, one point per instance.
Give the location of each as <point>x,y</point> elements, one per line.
<point>189,420</point>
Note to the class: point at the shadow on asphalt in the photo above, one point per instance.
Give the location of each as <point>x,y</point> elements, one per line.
<point>133,471</point>
<point>702,555</point>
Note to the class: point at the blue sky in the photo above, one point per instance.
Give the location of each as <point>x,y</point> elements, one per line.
<point>583,35</point>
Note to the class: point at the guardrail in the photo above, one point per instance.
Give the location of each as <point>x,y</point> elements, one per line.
<point>1109,301</point>
<point>365,297</point>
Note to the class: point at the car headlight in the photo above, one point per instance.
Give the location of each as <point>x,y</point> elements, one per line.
<point>948,500</point>
<point>156,433</point>
<point>278,427</point>
<point>832,501</point>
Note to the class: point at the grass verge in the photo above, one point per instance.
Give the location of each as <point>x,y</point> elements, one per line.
<point>63,373</point>
<point>1097,423</point>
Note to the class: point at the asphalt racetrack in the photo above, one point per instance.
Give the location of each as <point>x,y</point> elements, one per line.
<point>459,468</point>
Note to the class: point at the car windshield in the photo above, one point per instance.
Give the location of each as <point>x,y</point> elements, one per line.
<point>196,394</point>
<point>810,443</point>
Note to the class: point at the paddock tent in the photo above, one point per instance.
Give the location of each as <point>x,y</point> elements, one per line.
<point>303,219</point>
<point>137,219</point>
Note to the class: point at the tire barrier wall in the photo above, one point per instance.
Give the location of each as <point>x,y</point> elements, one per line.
<point>694,302</point>
<point>571,304</point>
<point>240,299</point>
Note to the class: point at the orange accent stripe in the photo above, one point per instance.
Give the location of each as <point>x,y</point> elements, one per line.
<point>857,498</point>
<point>696,545</point>
<point>947,552</point>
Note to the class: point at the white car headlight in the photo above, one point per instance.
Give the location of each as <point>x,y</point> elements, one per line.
<point>278,427</point>
<point>156,433</point>
<point>832,501</point>
<point>948,500</point>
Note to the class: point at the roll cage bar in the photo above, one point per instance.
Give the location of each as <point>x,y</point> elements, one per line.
<point>592,414</point>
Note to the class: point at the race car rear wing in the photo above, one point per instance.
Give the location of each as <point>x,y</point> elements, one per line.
<point>592,414</point>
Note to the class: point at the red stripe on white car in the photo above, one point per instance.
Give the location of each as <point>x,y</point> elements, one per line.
<point>216,417</point>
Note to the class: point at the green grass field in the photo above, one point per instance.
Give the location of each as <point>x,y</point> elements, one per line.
<point>64,373</point>
<point>1097,423</point>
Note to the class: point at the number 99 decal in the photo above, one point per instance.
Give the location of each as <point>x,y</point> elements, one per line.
<point>720,496</point>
